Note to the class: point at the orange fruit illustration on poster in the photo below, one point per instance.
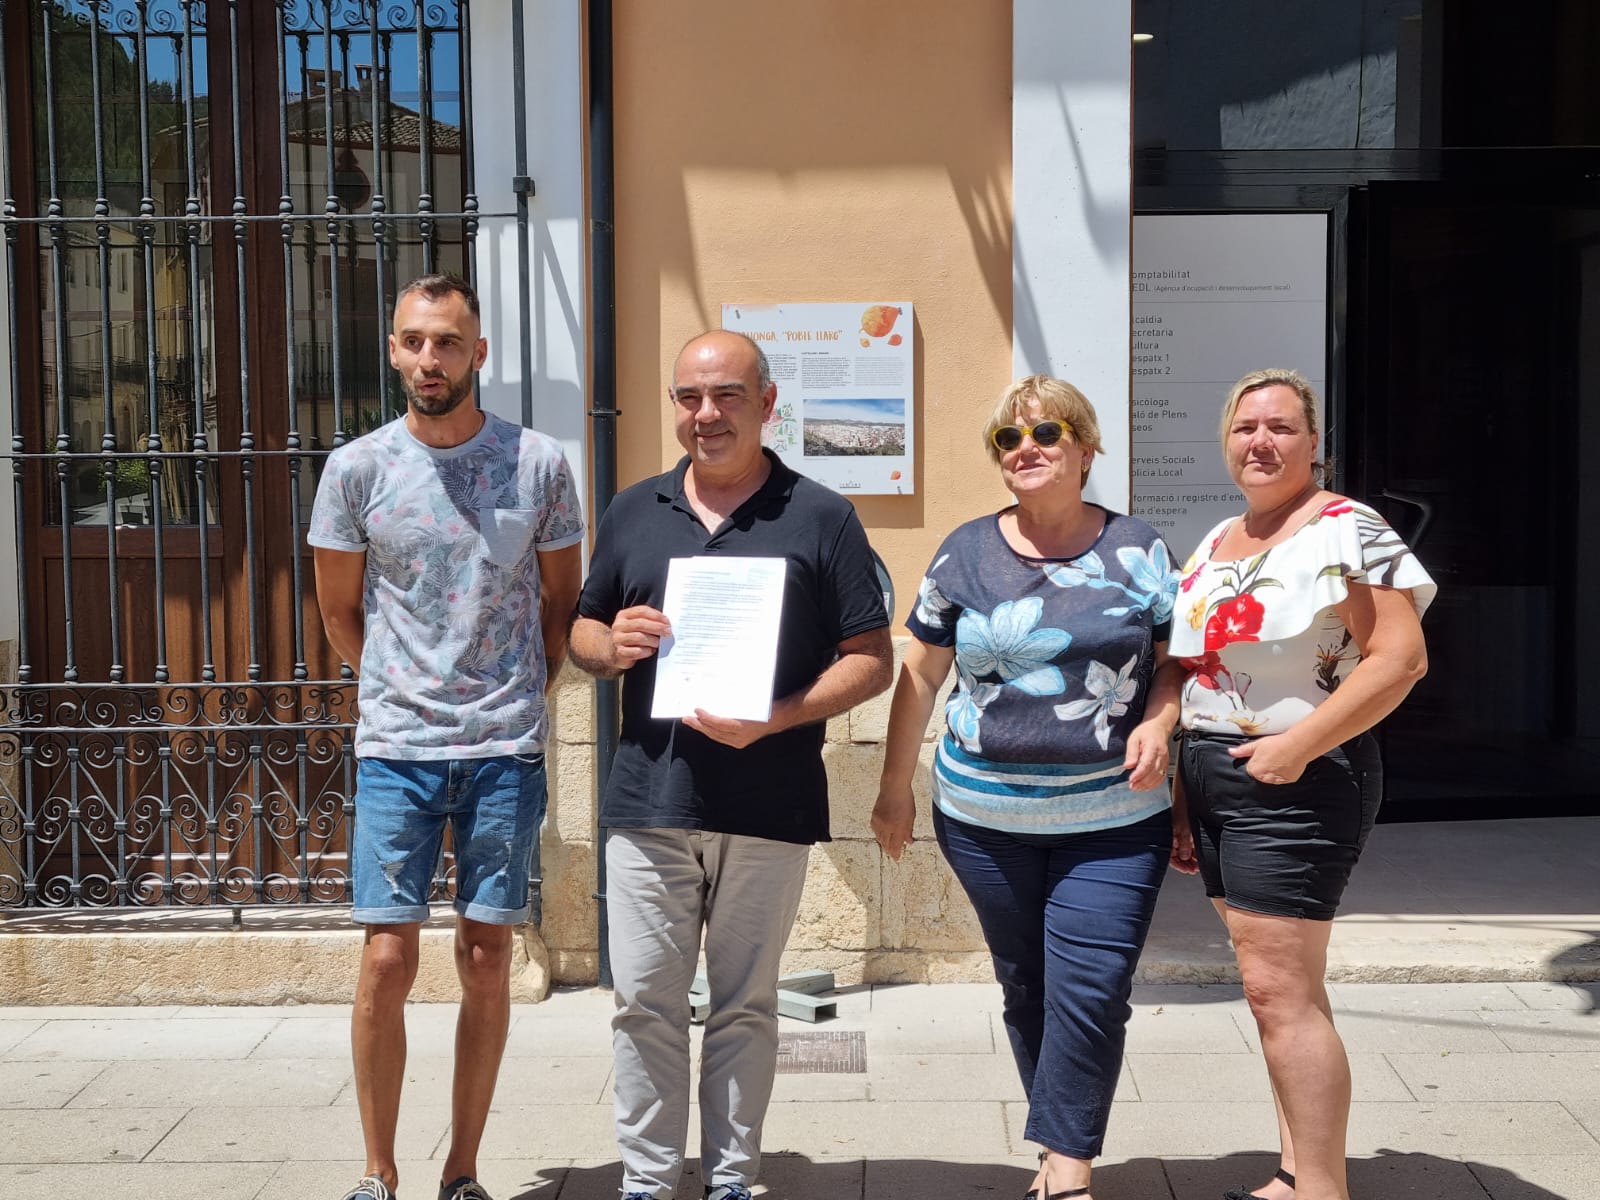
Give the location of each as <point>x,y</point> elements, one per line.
<point>879,319</point>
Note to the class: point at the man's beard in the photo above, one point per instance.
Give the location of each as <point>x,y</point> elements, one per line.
<point>439,404</point>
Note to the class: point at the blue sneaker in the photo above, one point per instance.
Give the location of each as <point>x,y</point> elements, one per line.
<point>728,1191</point>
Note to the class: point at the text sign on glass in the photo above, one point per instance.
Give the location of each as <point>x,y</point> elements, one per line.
<point>1214,296</point>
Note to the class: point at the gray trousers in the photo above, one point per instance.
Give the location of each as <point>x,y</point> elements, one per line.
<point>663,886</point>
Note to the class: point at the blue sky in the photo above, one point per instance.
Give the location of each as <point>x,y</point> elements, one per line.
<point>887,411</point>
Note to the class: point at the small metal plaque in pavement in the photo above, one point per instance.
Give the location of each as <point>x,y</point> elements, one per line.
<point>823,1052</point>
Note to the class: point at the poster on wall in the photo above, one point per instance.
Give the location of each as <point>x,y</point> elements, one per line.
<point>1214,296</point>
<point>845,386</point>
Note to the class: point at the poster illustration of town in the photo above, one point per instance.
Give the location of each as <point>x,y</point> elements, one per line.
<point>845,390</point>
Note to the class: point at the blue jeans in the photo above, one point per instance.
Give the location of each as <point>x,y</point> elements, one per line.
<point>494,807</point>
<point>1065,916</point>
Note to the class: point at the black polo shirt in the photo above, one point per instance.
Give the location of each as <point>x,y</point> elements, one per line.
<point>668,776</point>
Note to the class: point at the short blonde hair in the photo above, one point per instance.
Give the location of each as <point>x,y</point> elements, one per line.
<point>1270,377</point>
<point>1058,400</point>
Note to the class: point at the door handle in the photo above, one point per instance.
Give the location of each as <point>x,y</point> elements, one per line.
<point>1424,505</point>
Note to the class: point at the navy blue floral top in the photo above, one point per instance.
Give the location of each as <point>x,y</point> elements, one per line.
<point>1053,661</point>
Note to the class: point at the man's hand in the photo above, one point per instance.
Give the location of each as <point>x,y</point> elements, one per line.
<point>730,731</point>
<point>636,634</point>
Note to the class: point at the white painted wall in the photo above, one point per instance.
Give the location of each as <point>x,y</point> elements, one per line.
<point>553,84</point>
<point>1071,134</point>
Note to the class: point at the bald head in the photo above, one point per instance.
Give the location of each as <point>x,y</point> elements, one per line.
<point>723,341</point>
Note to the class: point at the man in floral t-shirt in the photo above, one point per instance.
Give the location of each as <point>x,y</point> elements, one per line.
<point>447,559</point>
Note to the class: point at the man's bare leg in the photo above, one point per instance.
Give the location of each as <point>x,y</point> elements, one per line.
<point>378,1039</point>
<point>483,961</point>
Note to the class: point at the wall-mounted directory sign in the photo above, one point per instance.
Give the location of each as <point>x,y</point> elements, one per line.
<point>1214,296</point>
<point>845,387</point>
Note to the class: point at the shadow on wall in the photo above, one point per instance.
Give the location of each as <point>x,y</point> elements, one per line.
<point>1145,1178</point>
<point>816,182</point>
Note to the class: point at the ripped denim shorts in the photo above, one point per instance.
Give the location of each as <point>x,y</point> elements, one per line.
<point>493,806</point>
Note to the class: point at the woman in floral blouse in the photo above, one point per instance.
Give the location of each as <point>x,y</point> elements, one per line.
<point>1299,626</point>
<point>1049,784</point>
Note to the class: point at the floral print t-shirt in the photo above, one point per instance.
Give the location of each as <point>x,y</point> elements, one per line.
<point>452,663</point>
<point>1053,659</point>
<point>1261,636</point>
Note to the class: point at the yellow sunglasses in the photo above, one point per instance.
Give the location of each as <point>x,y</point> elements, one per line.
<point>1007,438</point>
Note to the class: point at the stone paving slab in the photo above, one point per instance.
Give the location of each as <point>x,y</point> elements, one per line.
<point>139,1181</point>
<point>890,1128</point>
<point>943,1077</point>
<point>1566,996</point>
<point>557,1131</point>
<point>1185,1029</point>
<point>891,1032</point>
<point>1527,1031</point>
<point>158,1037</point>
<point>1445,1031</point>
<point>522,1081</point>
<point>16,1030</point>
<point>1153,1128</point>
<point>65,1136</point>
<point>1535,1076</point>
<point>1401,998</point>
<point>283,1134</point>
<point>1537,1176</point>
<point>1243,1077</point>
<point>44,1084</point>
<point>1459,1129</point>
<point>216,1083</point>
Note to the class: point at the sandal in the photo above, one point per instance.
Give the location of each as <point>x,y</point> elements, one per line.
<point>1033,1193</point>
<point>1280,1175</point>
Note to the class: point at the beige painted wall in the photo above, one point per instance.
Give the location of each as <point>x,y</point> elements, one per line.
<point>843,152</point>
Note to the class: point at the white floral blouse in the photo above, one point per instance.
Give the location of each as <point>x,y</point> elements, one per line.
<point>1261,636</point>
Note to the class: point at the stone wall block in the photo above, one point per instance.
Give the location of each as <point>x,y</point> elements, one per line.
<point>572,707</point>
<point>869,721</point>
<point>839,910</point>
<point>571,913</point>
<point>572,805</point>
<point>924,907</point>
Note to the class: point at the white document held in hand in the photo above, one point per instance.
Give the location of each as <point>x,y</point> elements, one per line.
<point>723,649</point>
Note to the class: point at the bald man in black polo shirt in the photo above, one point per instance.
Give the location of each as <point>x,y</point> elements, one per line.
<point>711,818</point>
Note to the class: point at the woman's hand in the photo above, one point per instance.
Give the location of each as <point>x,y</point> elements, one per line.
<point>893,818</point>
<point>1146,755</point>
<point>1183,857</point>
<point>1271,759</point>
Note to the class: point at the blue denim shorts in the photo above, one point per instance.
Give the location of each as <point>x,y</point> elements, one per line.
<point>494,807</point>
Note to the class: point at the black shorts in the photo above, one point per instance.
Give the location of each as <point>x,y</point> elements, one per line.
<point>1281,849</point>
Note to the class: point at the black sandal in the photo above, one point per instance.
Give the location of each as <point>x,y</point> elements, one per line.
<point>1280,1175</point>
<point>1033,1193</point>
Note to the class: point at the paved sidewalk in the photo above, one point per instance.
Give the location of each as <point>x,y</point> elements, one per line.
<point>1463,1091</point>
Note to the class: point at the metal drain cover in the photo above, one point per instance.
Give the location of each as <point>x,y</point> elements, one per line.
<point>823,1052</point>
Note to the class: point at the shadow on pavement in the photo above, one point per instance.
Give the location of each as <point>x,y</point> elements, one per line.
<point>796,1177</point>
